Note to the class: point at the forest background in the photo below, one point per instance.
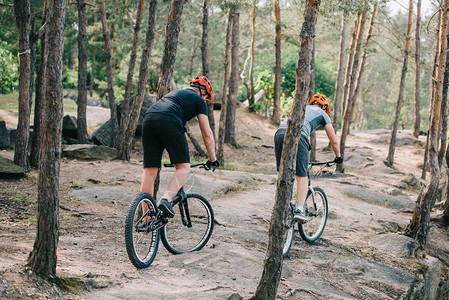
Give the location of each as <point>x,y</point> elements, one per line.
<point>379,86</point>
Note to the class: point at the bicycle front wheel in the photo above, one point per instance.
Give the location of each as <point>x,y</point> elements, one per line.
<point>315,209</point>
<point>191,227</point>
<point>141,242</point>
<point>290,233</point>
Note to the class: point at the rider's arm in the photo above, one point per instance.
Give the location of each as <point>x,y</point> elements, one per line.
<point>332,138</point>
<point>208,136</point>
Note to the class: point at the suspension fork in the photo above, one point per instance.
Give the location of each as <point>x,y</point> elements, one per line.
<point>181,200</point>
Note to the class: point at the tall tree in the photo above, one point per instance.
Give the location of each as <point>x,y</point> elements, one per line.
<point>419,225</point>
<point>83,137</point>
<point>352,96</point>
<point>338,82</point>
<point>124,118</point>
<point>277,65</point>
<point>110,78</point>
<point>205,61</point>
<point>253,46</point>
<point>42,259</point>
<point>269,281</point>
<point>124,152</point>
<point>39,97</point>
<point>22,13</point>
<point>391,149</point>
<point>417,121</point>
<point>221,128</point>
<point>171,44</point>
<point>231,104</point>
<point>349,66</point>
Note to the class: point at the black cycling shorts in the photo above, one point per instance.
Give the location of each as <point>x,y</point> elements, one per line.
<point>302,155</point>
<point>161,132</point>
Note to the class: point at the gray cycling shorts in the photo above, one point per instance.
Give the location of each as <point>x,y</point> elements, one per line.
<point>302,155</point>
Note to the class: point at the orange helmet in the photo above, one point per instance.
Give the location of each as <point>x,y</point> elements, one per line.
<point>202,83</point>
<point>321,100</point>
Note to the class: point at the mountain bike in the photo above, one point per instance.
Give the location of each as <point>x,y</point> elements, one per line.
<point>315,210</point>
<point>188,231</point>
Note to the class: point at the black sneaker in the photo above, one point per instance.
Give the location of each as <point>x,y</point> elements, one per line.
<point>299,216</point>
<point>166,208</point>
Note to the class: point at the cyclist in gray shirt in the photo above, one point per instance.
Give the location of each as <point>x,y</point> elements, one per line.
<point>316,115</point>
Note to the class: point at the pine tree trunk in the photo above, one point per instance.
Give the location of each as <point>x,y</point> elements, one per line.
<point>234,80</point>
<point>312,138</point>
<point>420,224</point>
<point>352,96</point>
<point>39,99</point>
<point>221,128</point>
<point>205,62</point>
<point>171,44</point>
<point>23,14</point>
<point>443,118</point>
<point>42,259</point>
<point>110,78</point>
<point>417,121</point>
<point>92,70</point>
<point>83,137</point>
<point>349,67</point>
<point>391,149</point>
<point>445,216</point>
<point>269,281</point>
<point>338,82</point>
<point>124,118</point>
<point>124,152</point>
<point>277,65</point>
<point>253,46</point>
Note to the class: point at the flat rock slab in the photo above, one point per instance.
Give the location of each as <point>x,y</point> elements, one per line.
<point>89,152</point>
<point>375,197</point>
<point>101,193</point>
<point>9,170</point>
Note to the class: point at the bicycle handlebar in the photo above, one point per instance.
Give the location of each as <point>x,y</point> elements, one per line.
<point>201,165</point>
<point>327,163</point>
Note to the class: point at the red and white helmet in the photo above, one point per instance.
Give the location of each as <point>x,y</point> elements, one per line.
<point>203,84</point>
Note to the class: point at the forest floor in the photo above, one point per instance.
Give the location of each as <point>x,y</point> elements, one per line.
<point>361,255</point>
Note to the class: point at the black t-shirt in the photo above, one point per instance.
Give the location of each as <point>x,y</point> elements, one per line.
<point>180,104</point>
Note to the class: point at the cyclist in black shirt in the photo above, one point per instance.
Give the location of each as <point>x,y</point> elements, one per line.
<point>163,128</point>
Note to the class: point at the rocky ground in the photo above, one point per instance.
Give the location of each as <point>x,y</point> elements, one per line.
<point>361,255</point>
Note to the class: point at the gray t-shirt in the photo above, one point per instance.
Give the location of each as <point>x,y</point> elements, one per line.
<point>314,117</point>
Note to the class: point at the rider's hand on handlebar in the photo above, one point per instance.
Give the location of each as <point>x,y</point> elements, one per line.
<point>338,160</point>
<point>212,164</point>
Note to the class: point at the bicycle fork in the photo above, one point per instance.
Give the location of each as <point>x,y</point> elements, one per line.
<point>181,198</point>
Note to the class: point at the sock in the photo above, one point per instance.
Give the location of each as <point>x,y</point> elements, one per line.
<point>300,207</point>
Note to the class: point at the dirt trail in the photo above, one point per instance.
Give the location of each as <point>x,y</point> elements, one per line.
<point>355,259</point>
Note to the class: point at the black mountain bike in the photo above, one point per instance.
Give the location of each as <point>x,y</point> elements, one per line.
<point>315,210</point>
<point>189,230</point>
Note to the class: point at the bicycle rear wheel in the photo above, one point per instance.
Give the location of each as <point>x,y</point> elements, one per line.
<point>191,227</point>
<point>141,243</point>
<point>315,209</point>
<point>290,233</point>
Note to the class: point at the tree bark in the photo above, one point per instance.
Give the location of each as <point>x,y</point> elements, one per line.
<point>221,128</point>
<point>269,281</point>
<point>338,82</point>
<point>253,46</point>
<point>42,259</point>
<point>83,137</point>
<point>348,112</point>
<point>443,118</point>
<point>39,98</point>
<point>124,152</point>
<point>205,62</point>
<point>277,65</point>
<point>171,44</point>
<point>419,226</point>
<point>417,121</point>
<point>349,67</point>
<point>234,80</point>
<point>23,16</point>
<point>110,78</point>
<point>92,70</point>
<point>124,118</point>
<point>391,149</point>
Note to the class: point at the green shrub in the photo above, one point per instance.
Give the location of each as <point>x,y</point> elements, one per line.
<point>9,74</point>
